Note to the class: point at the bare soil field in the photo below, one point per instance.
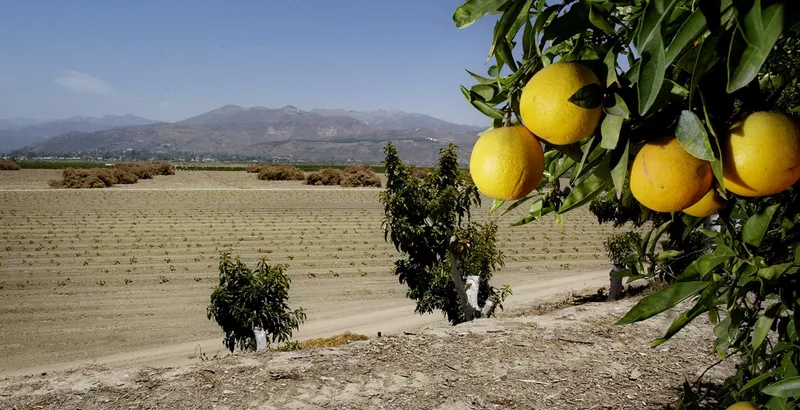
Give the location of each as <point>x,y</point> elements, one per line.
<point>124,274</point>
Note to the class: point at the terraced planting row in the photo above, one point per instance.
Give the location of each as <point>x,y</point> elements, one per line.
<point>95,272</point>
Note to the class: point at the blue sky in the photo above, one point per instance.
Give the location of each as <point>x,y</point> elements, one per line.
<point>169,60</point>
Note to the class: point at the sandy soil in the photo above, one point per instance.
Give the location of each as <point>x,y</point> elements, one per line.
<point>566,359</point>
<point>117,275</point>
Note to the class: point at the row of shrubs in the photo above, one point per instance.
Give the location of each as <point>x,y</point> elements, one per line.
<point>6,165</point>
<point>125,173</point>
<point>352,176</point>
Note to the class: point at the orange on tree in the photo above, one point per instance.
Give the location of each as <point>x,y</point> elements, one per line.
<point>666,178</point>
<point>507,163</point>
<point>761,155</point>
<point>545,107</point>
<point>743,405</point>
<point>708,205</point>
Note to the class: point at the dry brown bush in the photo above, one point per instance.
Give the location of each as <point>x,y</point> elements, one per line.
<point>254,168</point>
<point>354,169</point>
<point>146,170</point>
<point>6,165</point>
<point>85,178</point>
<point>327,176</point>
<point>280,173</point>
<point>361,179</point>
<point>125,173</point>
<point>419,173</point>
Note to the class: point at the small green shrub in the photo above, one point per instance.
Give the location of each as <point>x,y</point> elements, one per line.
<point>280,173</point>
<point>246,299</point>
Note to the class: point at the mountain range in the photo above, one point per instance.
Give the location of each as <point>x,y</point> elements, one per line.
<point>16,133</point>
<point>287,133</point>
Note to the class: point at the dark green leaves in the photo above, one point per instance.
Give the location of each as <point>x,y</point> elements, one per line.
<point>756,226</point>
<point>588,188</point>
<point>662,300</point>
<point>789,387</point>
<point>690,30</point>
<point>473,10</point>
<point>693,137</point>
<point>763,324</point>
<point>589,96</point>
<point>751,45</point>
<point>650,25</point>
<point>610,129</point>
<point>652,68</point>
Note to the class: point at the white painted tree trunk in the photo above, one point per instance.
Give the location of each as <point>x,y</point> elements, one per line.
<point>468,293</point>
<point>615,288</point>
<point>711,223</point>
<point>261,339</point>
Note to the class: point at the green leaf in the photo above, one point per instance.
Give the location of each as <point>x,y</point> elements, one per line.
<point>706,59</point>
<point>528,40</point>
<point>749,49</point>
<point>481,79</point>
<point>784,388</point>
<point>504,26</point>
<point>774,272</point>
<point>588,188</point>
<point>571,23</point>
<point>487,110</point>
<point>618,108</point>
<point>502,54</point>
<point>703,304</point>
<point>651,247</point>
<point>485,91</point>
<point>763,324</point>
<point>650,24</point>
<point>756,226</point>
<point>589,96</point>
<point>709,261</point>
<point>587,149</point>
<point>597,18</point>
<point>797,255</point>
<point>691,29</point>
<point>494,70</point>
<point>662,300</point>
<point>756,381</point>
<point>474,10</point>
<point>496,204</point>
<point>693,137</point>
<point>652,68</point>
<point>466,93</point>
<point>662,256</point>
<point>611,68</point>
<point>619,170</point>
<point>519,202</point>
<point>610,129</point>
<point>542,16</point>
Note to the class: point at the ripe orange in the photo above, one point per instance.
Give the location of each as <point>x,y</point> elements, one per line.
<point>507,163</point>
<point>666,178</point>
<point>545,107</point>
<point>706,206</point>
<point>743,405</point>
<point>761,155</point>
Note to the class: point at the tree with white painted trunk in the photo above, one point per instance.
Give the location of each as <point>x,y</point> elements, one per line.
<point>449,259</point>
<point>250,305</point>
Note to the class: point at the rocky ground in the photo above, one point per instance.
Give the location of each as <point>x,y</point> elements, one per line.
<point>532,358</point>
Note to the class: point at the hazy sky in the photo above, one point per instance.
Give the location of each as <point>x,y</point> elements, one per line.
<point>169,60</point>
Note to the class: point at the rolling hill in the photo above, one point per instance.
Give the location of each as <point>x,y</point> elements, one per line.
<point>16,133</point>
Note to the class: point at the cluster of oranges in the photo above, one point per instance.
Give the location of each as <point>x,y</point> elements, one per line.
<point>761,153</point>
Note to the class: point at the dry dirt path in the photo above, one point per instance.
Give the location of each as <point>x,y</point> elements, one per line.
<point>386,317</point>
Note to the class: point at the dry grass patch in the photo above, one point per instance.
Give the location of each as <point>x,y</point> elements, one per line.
<point>333,341</point>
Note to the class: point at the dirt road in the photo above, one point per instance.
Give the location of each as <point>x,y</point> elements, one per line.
<point>387,317</point>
